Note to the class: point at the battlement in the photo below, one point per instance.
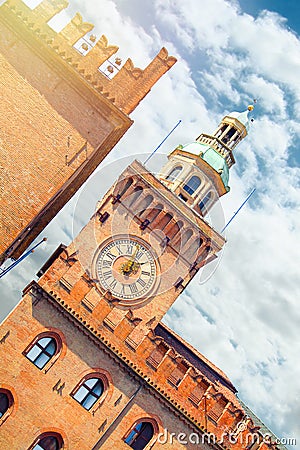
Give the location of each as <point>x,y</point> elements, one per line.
<point>126,89</point>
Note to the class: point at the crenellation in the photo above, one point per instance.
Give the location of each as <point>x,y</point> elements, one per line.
<point>76,29</point>
<point>139,82</point>
<point>96,56</point>
<point>48,9</point>
<point>130,84</point>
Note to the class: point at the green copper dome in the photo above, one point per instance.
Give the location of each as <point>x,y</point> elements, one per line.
<point>213,158</point>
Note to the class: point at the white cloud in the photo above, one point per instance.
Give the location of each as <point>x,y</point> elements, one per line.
<point>245,318</point>
<point>271,96</point>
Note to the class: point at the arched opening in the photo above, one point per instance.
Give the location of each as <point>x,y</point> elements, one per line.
<point>51,441</point>
<point>173,229</point>
<point>89,392</point>
<point>144,204</point>
<point>174,173</point>
<point>194,247</point>
<point>4,402</point>
<point>135,195</point>
<point>154,212</point>
<point>205,201</point>
<point>204,253</point>
<point>42,350</point>
<point>140,435</point>
<point>186,236</point>
<point>228,135</point>
<point>126,186</point>
<point>176,241</point>
<point>193,184</point>
<point>221,130</point>
<point>164,221</point>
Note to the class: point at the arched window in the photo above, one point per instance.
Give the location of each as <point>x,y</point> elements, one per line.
<point>145,203</point>
<point>154,212</point>
<point>4,403</point>
<point>135,195</point>
<point>174,173</point>
<point>140,435</point>
<point>186,236</point>
<point>49,442</point>
<point>228,135</point>
<point>126,186</point>
<point>194,247</point>
<point>205,201</point>
<point>42,351</point>
<point>193,184</point>
<point>163,222</point>
<point>89,391</point>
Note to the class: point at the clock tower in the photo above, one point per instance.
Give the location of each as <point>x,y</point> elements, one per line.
<point>148,238</point>
<point>86,362</point>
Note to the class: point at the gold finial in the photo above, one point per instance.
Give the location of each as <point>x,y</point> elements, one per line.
<point>250,108</point>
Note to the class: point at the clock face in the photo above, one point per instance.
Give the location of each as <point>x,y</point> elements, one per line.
<point>126,268</point>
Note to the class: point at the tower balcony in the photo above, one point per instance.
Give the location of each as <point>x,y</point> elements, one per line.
<point>219,146</point>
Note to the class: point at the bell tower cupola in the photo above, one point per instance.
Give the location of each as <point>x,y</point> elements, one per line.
<point>199,172</point>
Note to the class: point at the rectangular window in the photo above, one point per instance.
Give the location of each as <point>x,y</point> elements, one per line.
<point>178,373</point>
<point>217,409</point>
<point>198,392</point>
<point>157,355</point>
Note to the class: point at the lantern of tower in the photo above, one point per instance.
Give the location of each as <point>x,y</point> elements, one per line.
<point>199,172</point>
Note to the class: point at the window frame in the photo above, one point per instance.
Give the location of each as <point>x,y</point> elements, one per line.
<point>99,401</point>
<point>171,178</point>
<point>46,334</point>
<point>155,427</point>
<point>11,403</point>
<point>206,202</point>
<point>45,435</point>
<point>186,184</point>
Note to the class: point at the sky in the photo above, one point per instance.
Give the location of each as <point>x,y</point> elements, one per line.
<point>243,313</point>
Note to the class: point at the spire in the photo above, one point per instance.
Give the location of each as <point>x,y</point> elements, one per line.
<point>199,172</point>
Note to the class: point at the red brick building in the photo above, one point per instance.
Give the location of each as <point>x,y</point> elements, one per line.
<point>62,111</point>
<point>86,362</point>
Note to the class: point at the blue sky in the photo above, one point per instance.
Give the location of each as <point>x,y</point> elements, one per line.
<point>286,8</point>
<point>243,314</point>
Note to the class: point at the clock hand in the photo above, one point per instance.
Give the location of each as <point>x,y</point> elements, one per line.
<point>129,266</point>
<point>132,260</point>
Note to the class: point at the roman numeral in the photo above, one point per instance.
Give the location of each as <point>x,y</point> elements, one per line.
<point>110,256</point>
<point>141,282</point>
<point>113,284</point>
<point>130,249</point>
<point>122,290</point>
<point>139,254</point>
<point>107,263</point>
<point>107,275</point>
<point>133,288</point>
<point>147,274</point>
<point>119,249</point>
